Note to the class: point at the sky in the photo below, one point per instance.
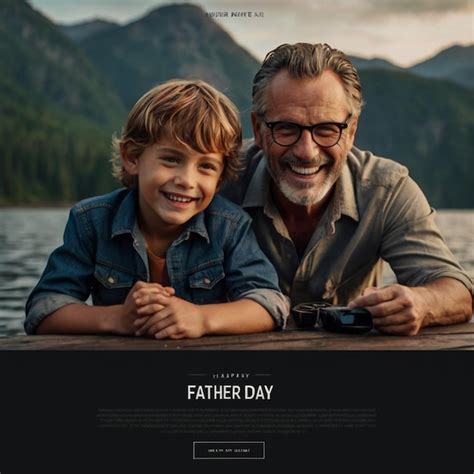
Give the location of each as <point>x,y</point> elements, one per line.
<point>402,31</point>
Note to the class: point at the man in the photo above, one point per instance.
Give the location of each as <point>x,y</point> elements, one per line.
<point>326,213</point>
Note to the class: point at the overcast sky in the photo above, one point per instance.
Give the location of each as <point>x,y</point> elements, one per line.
<point>403,31</point>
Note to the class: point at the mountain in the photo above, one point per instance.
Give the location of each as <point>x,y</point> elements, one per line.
<point>61,100</point>
<point>80,31</point>
<point>426,124</point>
<point>36,57</point>
<point>373,63</point>
<point>169,42</point>
<point>56,112</point>
<point>455,63</point>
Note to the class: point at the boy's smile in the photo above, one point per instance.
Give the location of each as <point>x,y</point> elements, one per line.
<point>179,200</point>
<point>175,183</point>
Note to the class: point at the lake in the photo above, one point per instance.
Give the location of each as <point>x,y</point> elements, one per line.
<point>27,237</point>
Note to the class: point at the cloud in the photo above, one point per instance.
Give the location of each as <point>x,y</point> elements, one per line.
<point>403,31</point>
<point>416,7</point>
<point>348,8</point>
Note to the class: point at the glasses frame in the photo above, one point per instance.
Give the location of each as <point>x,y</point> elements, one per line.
<point>320,314</point>
<point>340,125</point>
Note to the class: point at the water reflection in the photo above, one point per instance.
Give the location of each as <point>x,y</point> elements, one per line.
<point>28,236</point>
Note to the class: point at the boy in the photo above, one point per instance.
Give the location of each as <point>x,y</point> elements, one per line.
<point>163,257</point>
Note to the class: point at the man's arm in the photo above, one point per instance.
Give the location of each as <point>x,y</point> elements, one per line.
<point>432,288</point>
<point>401,310</point>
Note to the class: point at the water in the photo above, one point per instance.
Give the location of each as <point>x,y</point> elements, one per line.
<point>27,237</point>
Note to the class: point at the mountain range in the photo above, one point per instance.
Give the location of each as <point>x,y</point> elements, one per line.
<point>171,41</point>
<point>65,89</point>
<point>56,112</point>
<point>455,63</point>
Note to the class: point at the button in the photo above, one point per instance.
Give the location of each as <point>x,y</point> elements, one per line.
<point>228,449</point>
<point>111,280</point>
<point>207,281</point>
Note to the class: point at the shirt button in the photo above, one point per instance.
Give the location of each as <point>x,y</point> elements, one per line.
<point>207,281</point>
<point>111,280</point>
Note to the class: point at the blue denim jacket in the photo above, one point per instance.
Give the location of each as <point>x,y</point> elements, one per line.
<point>215,259</point>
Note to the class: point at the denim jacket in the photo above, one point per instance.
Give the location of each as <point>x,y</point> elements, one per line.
<point>214,260</point>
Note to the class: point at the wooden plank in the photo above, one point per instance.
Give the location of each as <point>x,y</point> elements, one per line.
<point>439,342</point>
<point>436,338</point>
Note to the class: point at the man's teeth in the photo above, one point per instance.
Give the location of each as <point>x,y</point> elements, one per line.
<point>304,171</point>
<point>172,197</point>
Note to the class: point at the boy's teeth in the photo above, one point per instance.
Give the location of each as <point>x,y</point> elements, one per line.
<point>306,171</point>
<point>172,197</point>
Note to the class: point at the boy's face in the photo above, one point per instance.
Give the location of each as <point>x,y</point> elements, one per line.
<point>175,183</point>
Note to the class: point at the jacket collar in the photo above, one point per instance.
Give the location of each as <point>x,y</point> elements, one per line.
<point>125,220</point>
<point>126,214</point>
<point>196,225</point>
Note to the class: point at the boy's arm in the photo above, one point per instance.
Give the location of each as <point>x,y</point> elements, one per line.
<point>67,278</point>
<point>179,318</point>
<point>85,319</point>
<point>243,316</point>
<point>250,275</point>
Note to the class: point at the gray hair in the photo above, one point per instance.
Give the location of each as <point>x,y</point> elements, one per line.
<point>306,60</point>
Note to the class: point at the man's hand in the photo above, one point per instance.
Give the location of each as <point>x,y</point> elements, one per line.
<point>395,309</point>
<point>403,310</point>
<point>174,318</point>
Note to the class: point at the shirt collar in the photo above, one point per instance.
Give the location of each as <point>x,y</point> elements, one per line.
<point>344,195</point>
<point>257,191</point>
<point>343,201</point>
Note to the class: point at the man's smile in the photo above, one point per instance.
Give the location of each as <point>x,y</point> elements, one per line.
<point>304,170</point>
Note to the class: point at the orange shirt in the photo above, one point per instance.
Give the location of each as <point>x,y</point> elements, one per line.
<point>158,273</point>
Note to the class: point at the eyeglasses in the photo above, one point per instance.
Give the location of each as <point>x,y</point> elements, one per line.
<point>325,135</point>
<point>332,318</point>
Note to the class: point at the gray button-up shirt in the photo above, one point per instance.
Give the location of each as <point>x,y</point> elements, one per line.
<point>376,212</point>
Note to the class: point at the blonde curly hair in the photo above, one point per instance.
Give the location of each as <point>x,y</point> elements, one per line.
<point>191,112</point>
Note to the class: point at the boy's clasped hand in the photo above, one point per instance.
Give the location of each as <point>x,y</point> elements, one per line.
<point>152,310</point>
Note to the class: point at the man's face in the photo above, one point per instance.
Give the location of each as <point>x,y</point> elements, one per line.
<point>305,172</point>
<point>175,183</point>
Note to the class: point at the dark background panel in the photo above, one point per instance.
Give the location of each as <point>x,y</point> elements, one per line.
<point>423,401</point>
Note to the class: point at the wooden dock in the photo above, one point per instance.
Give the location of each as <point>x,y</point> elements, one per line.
<point>454,337</point>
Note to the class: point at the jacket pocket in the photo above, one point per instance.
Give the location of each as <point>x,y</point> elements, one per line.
<point>111,285</point>
<point>207,278</point>
<point>111,277</point>
<point>207,285</point>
